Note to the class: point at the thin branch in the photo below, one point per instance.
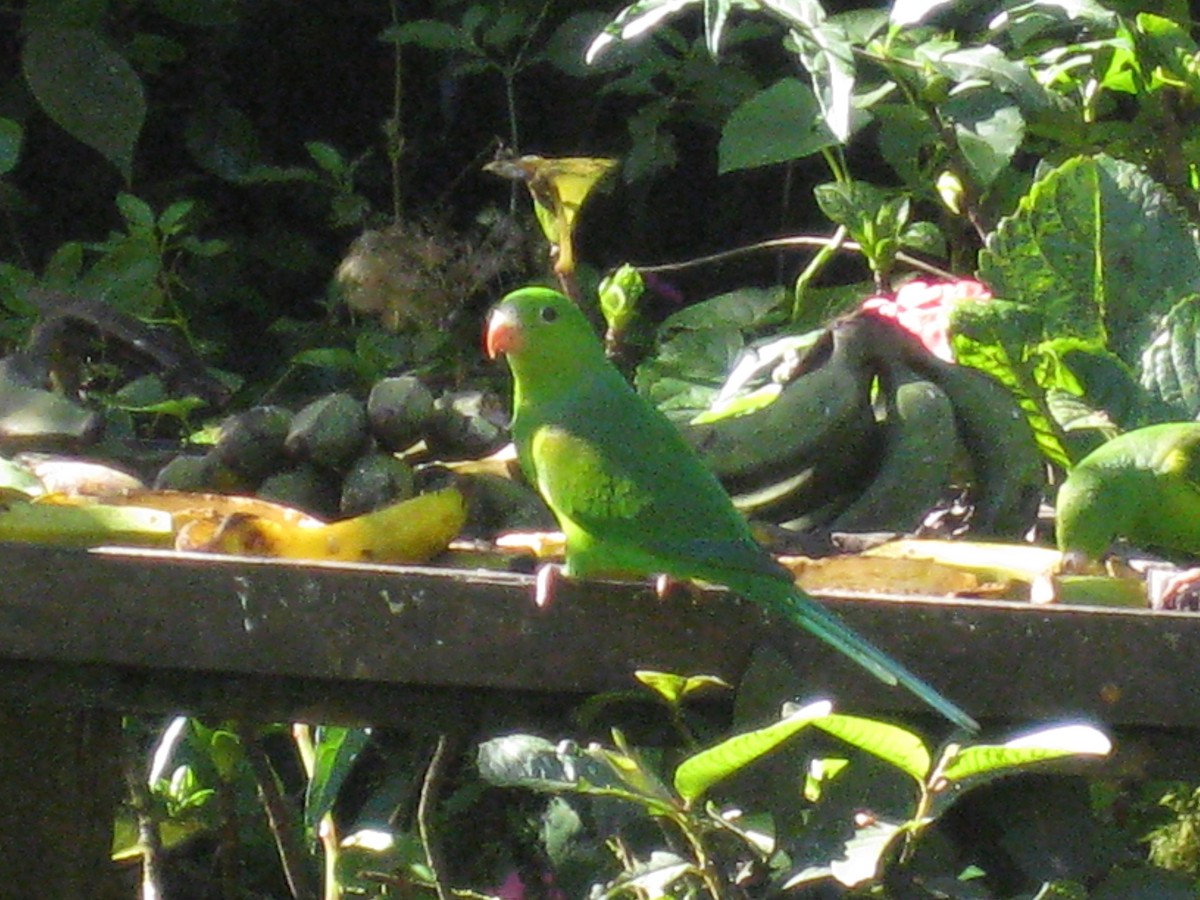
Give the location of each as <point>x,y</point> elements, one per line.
<point>794,241</point>
<point>429,789</point>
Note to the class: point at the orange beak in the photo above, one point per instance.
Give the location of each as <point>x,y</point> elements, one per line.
<point>502,334</point>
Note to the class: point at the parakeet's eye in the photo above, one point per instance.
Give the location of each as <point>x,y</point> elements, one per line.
<point>549,313</point>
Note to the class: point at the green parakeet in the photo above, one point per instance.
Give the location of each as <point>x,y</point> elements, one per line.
<point>1143,485</point>
<point>629,494</point>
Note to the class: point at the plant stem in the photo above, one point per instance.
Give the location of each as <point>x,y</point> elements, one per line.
<point>819,261</point>
<point>327,829</point>
<point>429,788</point>
<point>395,140</point>
<point>147,828</point>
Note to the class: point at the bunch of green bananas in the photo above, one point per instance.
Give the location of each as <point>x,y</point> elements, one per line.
<point>873,433</point>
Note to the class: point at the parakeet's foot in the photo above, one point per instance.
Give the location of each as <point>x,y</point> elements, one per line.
<point>548,575</point>
<point>665,586</point>
<point>1180,590</point>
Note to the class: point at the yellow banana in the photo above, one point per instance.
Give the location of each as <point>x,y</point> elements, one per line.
<point>411,531</point>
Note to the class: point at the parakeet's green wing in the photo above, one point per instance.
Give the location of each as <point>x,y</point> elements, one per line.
<point>1182,460</point>
<point>649,502</point>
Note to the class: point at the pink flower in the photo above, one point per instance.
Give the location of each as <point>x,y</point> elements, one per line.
<point>923,308</point>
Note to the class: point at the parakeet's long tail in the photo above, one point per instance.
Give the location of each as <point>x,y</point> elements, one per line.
<point>793,604</point>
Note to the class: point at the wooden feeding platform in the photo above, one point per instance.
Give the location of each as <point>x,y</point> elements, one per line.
<point>85,635</point>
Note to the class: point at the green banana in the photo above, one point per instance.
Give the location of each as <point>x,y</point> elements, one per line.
<point>919,453</point>
<point>813,414</point>
<point>1008,472</point>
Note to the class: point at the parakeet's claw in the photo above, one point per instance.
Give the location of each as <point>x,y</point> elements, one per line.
<point>667,586</point>
<point>548,575</point>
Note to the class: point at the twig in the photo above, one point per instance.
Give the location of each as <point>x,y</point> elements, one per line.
<point>147,828</point>
<point>800,240</point>
<point>429,789</point>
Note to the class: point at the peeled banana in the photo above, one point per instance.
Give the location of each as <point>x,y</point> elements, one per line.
<point>411,531</point>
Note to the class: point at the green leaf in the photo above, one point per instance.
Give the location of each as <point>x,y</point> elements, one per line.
<point>699,772</point>
<point>428,33</point>
<point>171,220</point>
<point>676,688</point>
<point>225,752</point>
<point>633,21</point>
<point>988,64</point>
<point>897,746</point>
<point>988,128</point>
<point>1168,369</point>
<point>336,748</point>
<point>697,345</point>
<point>907,140</point>
<point>779,124</point>
<point>11,135</point>
<point>327,157</point>
<point>1049,743</point>
<point>1100,377</point>
<point>825,51</point>
<point>522,760</point>
<point>1100,248</point>
<point>999,338</point>
<point>88,89</point>
<point>137,213</point>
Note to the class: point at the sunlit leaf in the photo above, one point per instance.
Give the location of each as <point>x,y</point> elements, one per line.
<point>1038,746</point>
<point>1099,248</point>
<point>698,773</point>
<point>897,746</point>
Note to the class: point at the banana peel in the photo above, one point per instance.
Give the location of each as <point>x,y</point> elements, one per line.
<point>1029,572</point>
<point>863,574</point>
<point>412,531</point>
<point>52,522</point>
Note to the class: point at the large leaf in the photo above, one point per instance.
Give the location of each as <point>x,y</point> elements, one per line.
<point>1100,248</point>
<point>88,89</point>
<point>997,337</point>
<point>699,344</point>
<point>779,124</point>
<point>897,746</point>
<point>523,760</point>
<point>825,51</point>
<point>1169,368</point>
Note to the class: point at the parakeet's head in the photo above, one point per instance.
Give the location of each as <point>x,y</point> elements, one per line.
<point>540,331</point>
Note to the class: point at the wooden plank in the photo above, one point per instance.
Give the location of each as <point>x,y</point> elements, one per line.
<point>145,624</point>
